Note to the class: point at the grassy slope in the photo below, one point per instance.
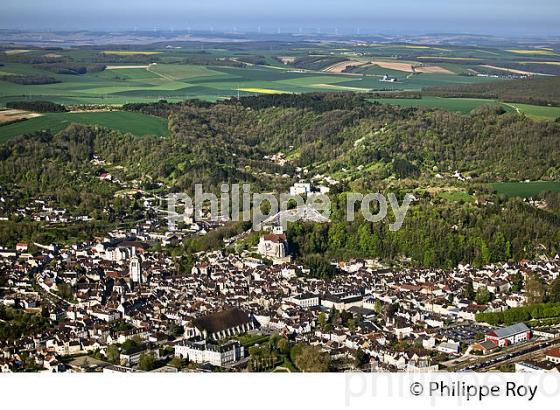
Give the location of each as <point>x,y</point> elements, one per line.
<point>135,123</point>
<point>464,105</point>
<point>525,189</point>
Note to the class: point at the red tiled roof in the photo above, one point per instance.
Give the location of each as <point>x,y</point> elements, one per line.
<point>276,238</point>
<point>554,352</point>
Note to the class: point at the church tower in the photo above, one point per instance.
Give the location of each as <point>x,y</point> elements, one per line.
<point>135,269</point>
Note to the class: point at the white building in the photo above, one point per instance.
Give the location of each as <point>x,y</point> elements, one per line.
<point>300,188</point>
<point>203,352</point>
<point>448,347</point>
<point>305,300</point>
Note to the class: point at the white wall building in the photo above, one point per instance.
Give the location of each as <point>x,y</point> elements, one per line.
<point>203,352</point>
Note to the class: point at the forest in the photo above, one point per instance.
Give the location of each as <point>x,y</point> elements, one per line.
<point>37,106</point>
<point>366,147</point>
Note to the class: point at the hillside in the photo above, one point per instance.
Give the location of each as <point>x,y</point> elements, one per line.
<point>366,147</point>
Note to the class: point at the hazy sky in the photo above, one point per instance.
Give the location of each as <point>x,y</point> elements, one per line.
<point>502,17</point>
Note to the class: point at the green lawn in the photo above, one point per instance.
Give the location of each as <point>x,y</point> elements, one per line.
<point>525,189</point>
<point>135,123</point>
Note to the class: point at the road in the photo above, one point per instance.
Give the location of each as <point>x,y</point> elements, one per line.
<point>51,298</point>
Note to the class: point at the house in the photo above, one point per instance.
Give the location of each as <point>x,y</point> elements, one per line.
<point>510,335</point>
<point>387,79</point>
<point>485,347</point>
<point>300,188</point>
<point>449,347</point>
<point>553,355</point>
<point>21,247</point>
<point>531,366</point>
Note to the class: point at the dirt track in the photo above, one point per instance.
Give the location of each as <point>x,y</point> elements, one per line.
<point>509,70</point>
<point>340,67</point>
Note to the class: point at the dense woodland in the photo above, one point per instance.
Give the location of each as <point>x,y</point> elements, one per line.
<point>36,106</point>
<point>29,79</point>
<point>389,149</point>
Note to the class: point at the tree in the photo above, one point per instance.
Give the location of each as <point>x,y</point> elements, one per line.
<point>113,354</point>
<point>377,307</point>
<point>309,358</point>
<point>352,325</point>
<point>283,346</point>
<point>391,309</point>
<point>146,362</point>
<point>175,329</point>
<point>360,358</point>
<point>322,320</point>
<point>535,290</point>
<point>482,295</point>
<point>468,291</point>
<point>517,282</point>
<point>176,362</point>
<point>554,296</point>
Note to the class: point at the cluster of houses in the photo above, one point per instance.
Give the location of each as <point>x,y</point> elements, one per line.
<point>127,287</point>
<point>402,319</point>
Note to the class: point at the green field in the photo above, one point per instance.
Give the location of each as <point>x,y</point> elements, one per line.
<point>456,196</point>
<point>174,77</point>
<point>464,105</point>
<point>135,123</point>
<point>525,189</point>
<point>142,82</point>
<point>536,111</point>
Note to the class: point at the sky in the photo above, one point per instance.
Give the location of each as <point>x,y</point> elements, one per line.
<point>498,17</point>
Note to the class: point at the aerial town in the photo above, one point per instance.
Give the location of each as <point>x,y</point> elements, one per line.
<point>120,304</point>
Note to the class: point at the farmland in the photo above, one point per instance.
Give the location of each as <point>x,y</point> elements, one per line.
<point>113,76</point>
<point>525,189</point>
<point>132,122</point>
<point>148,74</point>
<point>536,111</point>
<point>121,83</point>
<point>464,105</point>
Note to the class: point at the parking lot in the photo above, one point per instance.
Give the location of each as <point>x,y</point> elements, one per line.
<point>467,333</point>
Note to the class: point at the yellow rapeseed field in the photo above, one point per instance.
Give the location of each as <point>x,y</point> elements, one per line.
<point>534,52</point>
<point>262,91</point>
<point>127,53</point>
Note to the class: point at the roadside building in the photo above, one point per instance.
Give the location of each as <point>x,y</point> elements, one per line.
<point>510,335</point>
